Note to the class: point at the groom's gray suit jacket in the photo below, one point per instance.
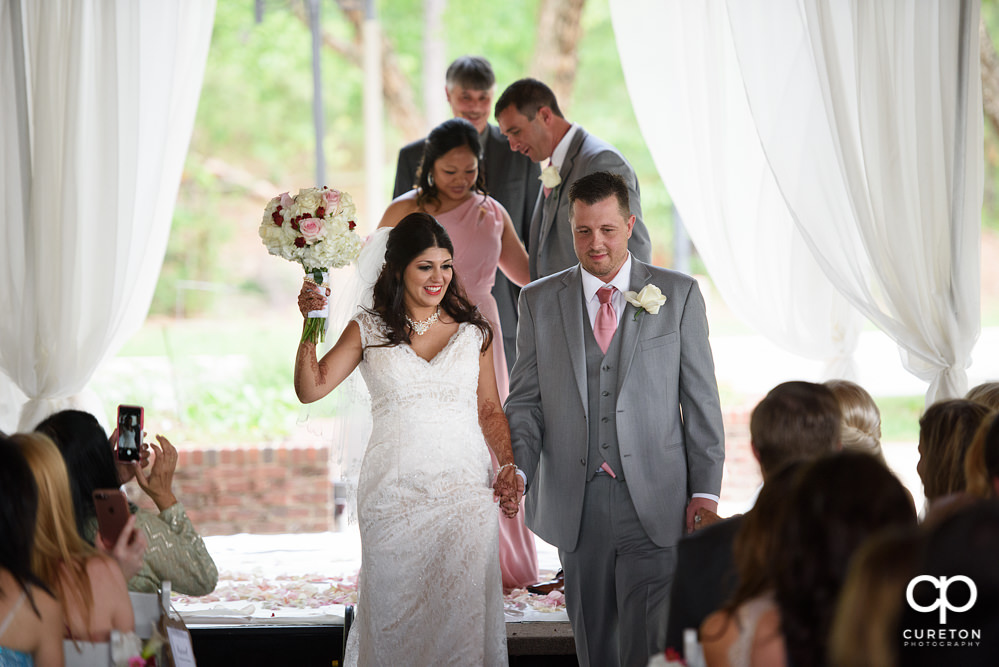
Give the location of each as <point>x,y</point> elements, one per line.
<point>668,416</point>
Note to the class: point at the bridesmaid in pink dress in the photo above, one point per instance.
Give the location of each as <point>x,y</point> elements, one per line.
<point>451,189</point>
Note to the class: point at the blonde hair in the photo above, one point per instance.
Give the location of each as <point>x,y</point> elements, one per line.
<point>986,393</point>
<point>59,557</point>
<point>861,428</point>
<point>981,462</point>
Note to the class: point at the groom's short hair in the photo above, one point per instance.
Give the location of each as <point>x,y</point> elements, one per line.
<point>471,73</point>
<point>795,421</point>
<point>527,96</point>
<point>597,187</point>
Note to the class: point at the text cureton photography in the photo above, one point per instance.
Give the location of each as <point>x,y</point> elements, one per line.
<point>927,594</point>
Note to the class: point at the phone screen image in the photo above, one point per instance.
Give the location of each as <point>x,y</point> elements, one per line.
<point>129,432</point>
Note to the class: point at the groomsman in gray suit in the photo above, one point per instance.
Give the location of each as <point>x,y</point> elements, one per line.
<point>616,424</point>
<point>511,178</point>
<point>529,116</point>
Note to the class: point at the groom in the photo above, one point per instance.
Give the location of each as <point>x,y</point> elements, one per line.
<point>616,422</point>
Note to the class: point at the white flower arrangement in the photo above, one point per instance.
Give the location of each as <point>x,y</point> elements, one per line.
<point>316,229</point>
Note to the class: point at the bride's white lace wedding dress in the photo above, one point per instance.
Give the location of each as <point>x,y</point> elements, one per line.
<point>429,591</point>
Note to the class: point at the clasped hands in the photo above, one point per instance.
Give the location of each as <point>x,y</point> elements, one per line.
<point>508,488</point>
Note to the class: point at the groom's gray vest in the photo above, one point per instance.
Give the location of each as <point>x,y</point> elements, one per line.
<point>601,389</point>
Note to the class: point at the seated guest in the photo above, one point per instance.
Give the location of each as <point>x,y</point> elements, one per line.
<point>176,552</point>
<point>795,421</point>
<point>835,504</point>
<point>30,619</point>
<point>986,393</point>
<point>90,587</point>
<point>966,543</point>
<point>981,463</point>
<point>861,418</point>
<point>866,626</point>
<point>945,433</point>
<point>725,633</point>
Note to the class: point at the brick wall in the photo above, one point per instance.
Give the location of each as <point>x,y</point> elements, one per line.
<point>286,488</point>
<point>261,489</point>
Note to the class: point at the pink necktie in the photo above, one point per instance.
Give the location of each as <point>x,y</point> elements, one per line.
<point>606,322</point>
<point>546,190</point>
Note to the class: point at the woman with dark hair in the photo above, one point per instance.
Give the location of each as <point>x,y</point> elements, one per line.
<point>790,584</point>
<point>451,188</point>
<point>727,634</point>
<point>29,633</point>
<point>837,503</point>
<point>176,551</point>
<point>424,505</point>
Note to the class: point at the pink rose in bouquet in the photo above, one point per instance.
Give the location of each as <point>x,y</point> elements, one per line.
<point>311,229</point>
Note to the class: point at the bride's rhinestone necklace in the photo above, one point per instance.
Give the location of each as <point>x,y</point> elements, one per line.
<point>422,326</point>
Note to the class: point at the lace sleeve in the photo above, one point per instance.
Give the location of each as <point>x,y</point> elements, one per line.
<point>371,331</point>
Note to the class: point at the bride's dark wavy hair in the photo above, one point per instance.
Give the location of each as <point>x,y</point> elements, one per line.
<point>414,234</point>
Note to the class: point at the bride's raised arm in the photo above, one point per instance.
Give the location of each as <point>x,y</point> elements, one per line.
<point>314,378</point>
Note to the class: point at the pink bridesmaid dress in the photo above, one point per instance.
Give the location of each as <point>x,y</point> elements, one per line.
<point>476,230</point>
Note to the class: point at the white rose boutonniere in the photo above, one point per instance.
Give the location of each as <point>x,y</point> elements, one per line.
<point>649,299</point>
<point>549,177</point>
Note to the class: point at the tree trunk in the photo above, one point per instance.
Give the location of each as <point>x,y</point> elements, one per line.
<point>400,102</point>
<point>556,47</point>
<point>990,75</point>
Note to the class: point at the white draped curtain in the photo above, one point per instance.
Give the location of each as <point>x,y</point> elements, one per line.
<point>821,150</point>
<point>96,116</point>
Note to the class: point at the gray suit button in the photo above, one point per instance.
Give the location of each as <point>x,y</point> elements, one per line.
<point>604,446</point>
<point>606,367</point>
<point>582,461</point>
<point>605,419</point>
<point>605,393</point>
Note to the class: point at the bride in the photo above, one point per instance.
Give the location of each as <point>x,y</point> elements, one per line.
<point>429,591</point>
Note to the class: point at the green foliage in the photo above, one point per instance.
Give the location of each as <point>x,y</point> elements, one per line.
<point>193,245</point>
<point>209,379</point>
<point>900,417</point>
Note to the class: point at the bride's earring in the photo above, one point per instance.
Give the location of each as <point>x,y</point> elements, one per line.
<point>430,179</point>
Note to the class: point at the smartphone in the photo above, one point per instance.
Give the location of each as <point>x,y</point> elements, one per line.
<point>112,513</point>
<point>129,432</point>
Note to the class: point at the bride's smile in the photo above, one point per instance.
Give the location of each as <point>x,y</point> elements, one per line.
<point>426,280</point>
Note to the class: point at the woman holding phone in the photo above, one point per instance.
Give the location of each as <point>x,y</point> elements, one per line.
<point>176,551</point>
<point>89,585</point>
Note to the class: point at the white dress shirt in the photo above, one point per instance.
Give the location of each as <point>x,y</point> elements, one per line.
<point>562,148</point>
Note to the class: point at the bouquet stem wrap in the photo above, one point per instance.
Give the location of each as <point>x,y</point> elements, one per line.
<point>314,330</point>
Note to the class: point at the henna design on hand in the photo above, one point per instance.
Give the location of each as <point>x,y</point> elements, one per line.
<point>309,298</point>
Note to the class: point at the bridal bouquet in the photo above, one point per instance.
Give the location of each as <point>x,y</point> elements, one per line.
<point>316,229</point>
